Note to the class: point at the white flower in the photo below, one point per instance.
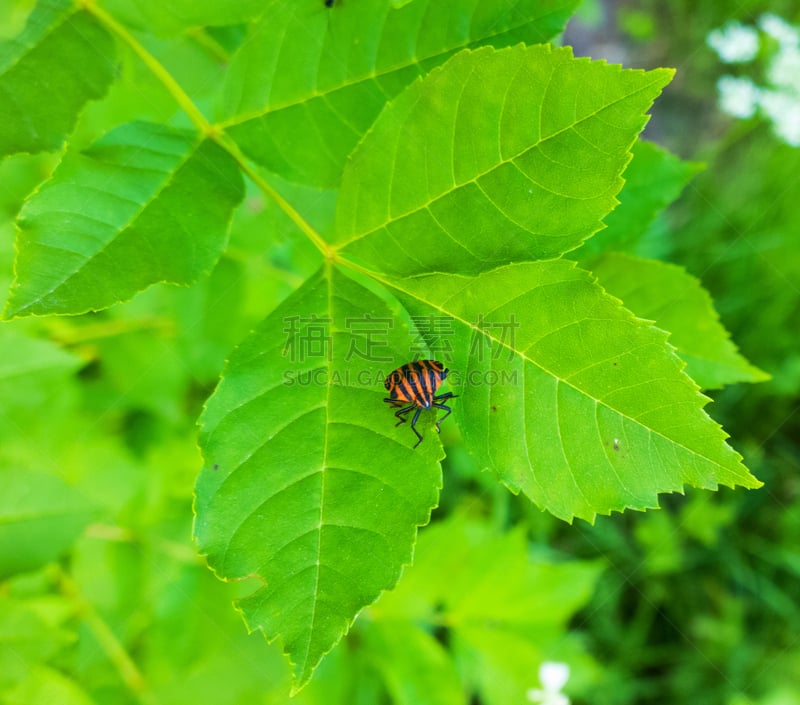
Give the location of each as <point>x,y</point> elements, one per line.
<point>779,29</point>
<point>737,96</point>
<point>734,42</point>
<point>783,110</point>
<point>779,100</point>
<point>784,69</point>
<point>553,676</point>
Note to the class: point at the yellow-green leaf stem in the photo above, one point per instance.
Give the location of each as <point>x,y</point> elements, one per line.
<point>202,124</point>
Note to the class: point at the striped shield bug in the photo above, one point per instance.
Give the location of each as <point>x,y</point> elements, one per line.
<point>413,386</point>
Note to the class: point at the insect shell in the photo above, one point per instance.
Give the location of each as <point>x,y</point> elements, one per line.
<point>413,388</point>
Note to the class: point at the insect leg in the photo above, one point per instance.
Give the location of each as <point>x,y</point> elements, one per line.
<point>437,402</point>
<point>414,426</point>
<point>444,408</point>
<point>400,412</point>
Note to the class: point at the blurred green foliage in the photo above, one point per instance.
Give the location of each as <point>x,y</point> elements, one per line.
<point>701,602</point>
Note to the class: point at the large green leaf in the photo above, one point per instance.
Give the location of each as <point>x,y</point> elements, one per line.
<point>567,396</point>
<point>678,303</point>
<point>309,81</point>
<point>498,156</point>
<point>146,203</point>
<point>653,180</point>
<point>62,60</point>
<point>307,485</point>
<point>40,517</point>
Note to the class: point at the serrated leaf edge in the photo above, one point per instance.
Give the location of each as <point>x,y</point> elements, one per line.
<point>747,479</point>
<point>298,683</point>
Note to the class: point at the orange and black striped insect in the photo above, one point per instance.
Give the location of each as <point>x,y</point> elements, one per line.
<point>413,386</point>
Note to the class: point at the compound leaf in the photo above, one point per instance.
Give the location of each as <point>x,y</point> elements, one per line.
<point>310,80</point>
<point>678,303</point>
<point>144,204</point>
<point>307,485</point>
<point>567,396</point>
<point>498,156</point>
<point>504,608</point>
<point>61,61</point>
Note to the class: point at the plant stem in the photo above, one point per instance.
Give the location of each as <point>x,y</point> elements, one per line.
<point>204,126</point>
<point>67,333</point>
<point>267,189</point>
<point>127,669</point>
<point>180,96</point>
<point>204,40</point>
<point>178,551</point>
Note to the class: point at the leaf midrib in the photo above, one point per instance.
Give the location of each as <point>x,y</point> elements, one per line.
<point>303,663</point>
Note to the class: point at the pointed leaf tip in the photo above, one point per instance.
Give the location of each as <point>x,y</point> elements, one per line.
<point>308,483</point>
